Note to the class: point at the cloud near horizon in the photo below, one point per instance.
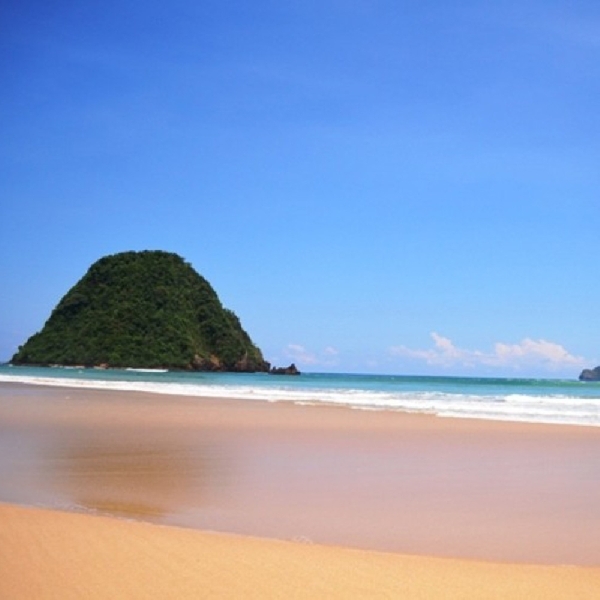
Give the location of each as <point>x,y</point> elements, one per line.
<point>527,353</point>
<point>299,354</point>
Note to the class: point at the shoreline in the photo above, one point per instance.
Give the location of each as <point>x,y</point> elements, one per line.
<point>49,554</point>
<point>506,405</point>
<point>385,481</point>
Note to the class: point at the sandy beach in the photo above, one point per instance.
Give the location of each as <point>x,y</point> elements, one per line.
<point>50,554</point>
<point>300,501</point>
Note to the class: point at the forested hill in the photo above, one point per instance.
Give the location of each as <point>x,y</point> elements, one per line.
<point>146,309</point>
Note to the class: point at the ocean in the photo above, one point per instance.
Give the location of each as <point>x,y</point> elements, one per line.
<point>557,401</point>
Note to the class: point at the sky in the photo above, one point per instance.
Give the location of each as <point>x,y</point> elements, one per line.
<point>371,186</point>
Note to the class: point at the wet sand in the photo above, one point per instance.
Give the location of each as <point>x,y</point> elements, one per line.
<point>406,484</point>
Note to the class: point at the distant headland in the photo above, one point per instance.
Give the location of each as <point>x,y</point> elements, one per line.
<point>147,309</point>
<point>590,374</point>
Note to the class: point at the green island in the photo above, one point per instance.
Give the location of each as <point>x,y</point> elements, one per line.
<point>146,309</point>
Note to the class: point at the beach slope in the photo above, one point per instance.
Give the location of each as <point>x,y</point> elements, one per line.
<point>51,554</point>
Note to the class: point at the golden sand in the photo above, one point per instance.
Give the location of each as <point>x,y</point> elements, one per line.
<point>510,506</point>
<point>392,482</point>
<point>57,555</point>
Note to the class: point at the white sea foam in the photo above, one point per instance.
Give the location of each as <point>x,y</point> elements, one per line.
<point>558,408</point>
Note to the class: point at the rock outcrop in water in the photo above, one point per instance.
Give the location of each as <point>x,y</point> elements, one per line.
<point>291,370</point>
<point>146,309</point>
<point>590,374</point>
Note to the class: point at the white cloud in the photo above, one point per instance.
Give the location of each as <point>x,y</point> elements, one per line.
<point>301,355</point>
<point>527,353</point>
<point>549,352</point>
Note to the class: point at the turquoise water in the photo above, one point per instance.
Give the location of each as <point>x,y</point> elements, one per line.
<point>529,400</point>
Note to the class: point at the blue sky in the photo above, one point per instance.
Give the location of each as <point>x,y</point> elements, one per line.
<point>372,186</point>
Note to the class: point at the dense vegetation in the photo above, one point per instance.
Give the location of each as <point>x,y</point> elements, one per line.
<point>147,310</point>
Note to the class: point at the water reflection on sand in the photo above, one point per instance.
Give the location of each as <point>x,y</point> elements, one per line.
<point>129,474</point>
<point>392,482</point>
<point>97,457</point>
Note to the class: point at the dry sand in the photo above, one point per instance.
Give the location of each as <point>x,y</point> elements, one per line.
<point>45,554</point>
